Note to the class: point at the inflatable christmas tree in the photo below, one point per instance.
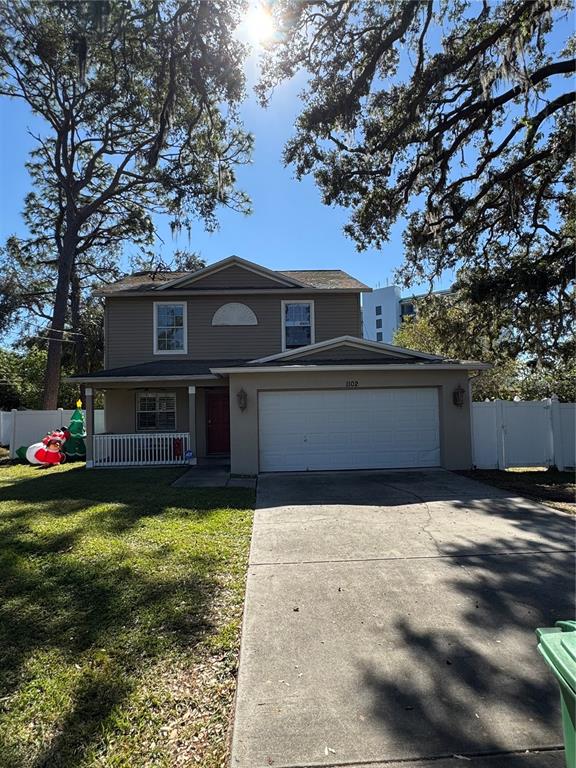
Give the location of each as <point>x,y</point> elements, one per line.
<point>75,447</point>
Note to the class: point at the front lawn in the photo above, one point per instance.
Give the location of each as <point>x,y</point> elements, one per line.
<point>557,489</point>
<point>120,606</point>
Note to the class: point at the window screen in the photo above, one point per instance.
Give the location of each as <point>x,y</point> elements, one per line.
<point>297,325</point>
<point>156,412</point>
<point>170,327</point>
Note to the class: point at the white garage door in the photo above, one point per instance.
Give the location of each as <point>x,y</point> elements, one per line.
<point>348,429</point>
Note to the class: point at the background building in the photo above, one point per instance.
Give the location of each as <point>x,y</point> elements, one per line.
<point>384,309</point>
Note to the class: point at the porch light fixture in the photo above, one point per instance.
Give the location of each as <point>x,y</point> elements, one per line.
<point>458,396</point>
<point>242,398</point>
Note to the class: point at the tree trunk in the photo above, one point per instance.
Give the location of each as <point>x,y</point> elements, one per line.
<point>78,340</point>
<point>56,333</point>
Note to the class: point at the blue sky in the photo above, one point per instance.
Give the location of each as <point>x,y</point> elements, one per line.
<point>290,228</point>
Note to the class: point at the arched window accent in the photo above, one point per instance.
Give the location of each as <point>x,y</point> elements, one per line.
<point>234,314</point>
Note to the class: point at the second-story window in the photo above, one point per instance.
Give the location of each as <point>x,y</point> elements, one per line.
<point>170,336</point>
<point>297,324</point>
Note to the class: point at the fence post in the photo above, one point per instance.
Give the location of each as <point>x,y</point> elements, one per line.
<point>500,434</point>
<point>13,438</point>
<point>557,453</point>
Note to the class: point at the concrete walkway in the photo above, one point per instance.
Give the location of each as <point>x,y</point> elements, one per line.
<point>390,616</point>
<point>212,476</point>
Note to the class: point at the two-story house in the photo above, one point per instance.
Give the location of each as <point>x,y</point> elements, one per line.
<point>269,368</point>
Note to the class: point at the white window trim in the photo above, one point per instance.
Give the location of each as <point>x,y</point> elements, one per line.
<point>185,320</point>
<point>283,319</point>
<point>146,393</point>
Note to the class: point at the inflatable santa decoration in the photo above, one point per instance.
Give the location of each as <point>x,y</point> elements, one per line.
<point>49,450</point>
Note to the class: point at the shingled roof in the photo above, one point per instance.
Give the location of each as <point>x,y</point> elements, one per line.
<point>140,281</point>
<point>167,369</point>
<point>319,279</point>
<point>325,278</point>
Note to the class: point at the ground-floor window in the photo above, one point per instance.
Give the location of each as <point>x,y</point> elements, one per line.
<point>156,411</point>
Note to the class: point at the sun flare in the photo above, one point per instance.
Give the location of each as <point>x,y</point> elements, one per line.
<point>259,23</point>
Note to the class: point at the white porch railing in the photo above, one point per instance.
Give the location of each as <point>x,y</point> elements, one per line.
<point>140,450</point>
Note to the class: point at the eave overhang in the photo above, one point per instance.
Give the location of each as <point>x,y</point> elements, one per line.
<point>304,290</point>
<point>318,368</point>
<point>94,380</point>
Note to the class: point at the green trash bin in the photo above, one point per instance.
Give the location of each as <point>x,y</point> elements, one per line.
<point>558,646</point>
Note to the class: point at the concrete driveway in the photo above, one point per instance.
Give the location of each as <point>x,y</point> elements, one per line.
<point>390,617</point>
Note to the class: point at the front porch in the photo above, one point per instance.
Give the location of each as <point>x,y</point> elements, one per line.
<point>159,425</point>
<point>137,450</point>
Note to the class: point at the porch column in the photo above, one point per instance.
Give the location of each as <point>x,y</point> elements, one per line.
<point>89,393</point>
<point>192,422</point>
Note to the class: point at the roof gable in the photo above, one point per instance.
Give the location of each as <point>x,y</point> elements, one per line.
<point>350,348</point>
<point>233,273</point>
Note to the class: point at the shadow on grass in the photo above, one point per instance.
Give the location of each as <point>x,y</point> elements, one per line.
<point>84,583</point>
<point>136,493</point>
<point>94,701</point>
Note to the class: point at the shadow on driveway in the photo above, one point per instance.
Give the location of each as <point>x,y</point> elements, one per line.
<point>391,616</point>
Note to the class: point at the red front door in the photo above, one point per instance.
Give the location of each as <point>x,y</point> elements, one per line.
<point>217,421</point>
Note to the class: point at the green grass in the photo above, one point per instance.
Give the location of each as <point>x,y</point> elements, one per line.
<point>556,489</point>
<point>120,605</point>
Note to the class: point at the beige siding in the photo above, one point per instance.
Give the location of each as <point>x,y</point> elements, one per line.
<point>120,408</point>
<point>346,353</point>
<point>455,433</point>
<point>119,411</point>
<point>130,323</point>
<point>337,315</point>
<point>234,277</point>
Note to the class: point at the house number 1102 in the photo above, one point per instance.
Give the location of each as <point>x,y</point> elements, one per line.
<point>352,384</point>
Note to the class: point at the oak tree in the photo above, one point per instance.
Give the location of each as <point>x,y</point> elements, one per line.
<point>455,115</point>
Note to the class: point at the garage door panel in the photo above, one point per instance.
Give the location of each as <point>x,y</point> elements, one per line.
<point>349,429</point>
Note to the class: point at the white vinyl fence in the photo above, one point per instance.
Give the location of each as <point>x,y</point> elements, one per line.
<point>523,434</point>
<point>27,427</point>
<point>5,427</point>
